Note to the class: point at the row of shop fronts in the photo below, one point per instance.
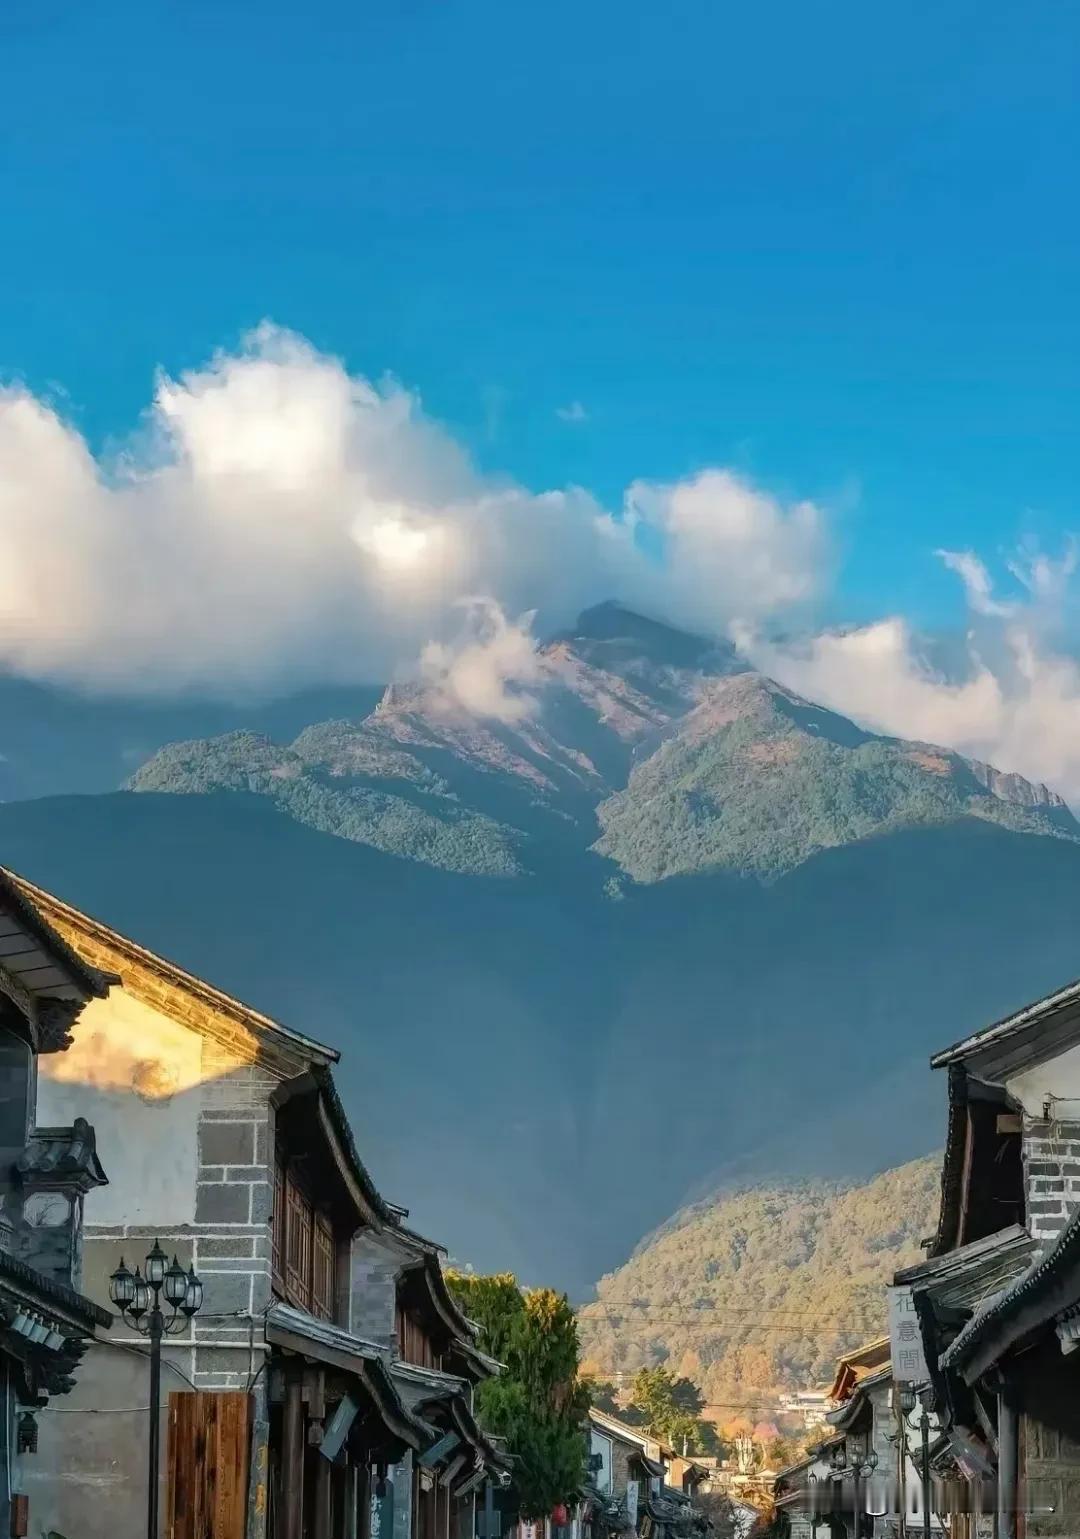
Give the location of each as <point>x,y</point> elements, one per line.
<point>325,1387</point>
<point>965,1420</point>
<point>639,1485</point>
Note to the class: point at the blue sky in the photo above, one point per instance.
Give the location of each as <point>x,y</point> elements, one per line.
<point>835,248</point>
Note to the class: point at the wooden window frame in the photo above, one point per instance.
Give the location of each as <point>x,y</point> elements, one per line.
<point>323,1268</point>
<point>304,1247</point>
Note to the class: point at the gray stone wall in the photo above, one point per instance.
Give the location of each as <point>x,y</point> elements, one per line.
<point>229,1242</point>
<point>376,1263</point>
<point>1049,1397</point>
<point>1052,1176</point>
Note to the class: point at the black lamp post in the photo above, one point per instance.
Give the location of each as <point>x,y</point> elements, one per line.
<point>908,1401</point>
<point>138,1298</point>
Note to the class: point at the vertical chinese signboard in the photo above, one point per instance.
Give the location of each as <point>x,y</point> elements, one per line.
<point>905,1339</point>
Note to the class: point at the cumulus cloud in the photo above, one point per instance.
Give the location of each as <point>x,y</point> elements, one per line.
<point>729,549</point>
<point>574,412</point>
<point>278,521</point>
<point>1016,704</point>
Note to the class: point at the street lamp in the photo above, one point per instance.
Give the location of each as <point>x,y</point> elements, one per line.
<point>908,1401</point>
<point>137,1295</point>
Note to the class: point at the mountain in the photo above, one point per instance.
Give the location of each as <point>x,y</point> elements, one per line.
<point>762,1289</point>
<point>682,758</point>
<point>664,933</point>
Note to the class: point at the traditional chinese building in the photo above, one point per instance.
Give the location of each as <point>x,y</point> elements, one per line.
<point>997,1295</point>
<point>46,1324</point>
<point>324,1391</point>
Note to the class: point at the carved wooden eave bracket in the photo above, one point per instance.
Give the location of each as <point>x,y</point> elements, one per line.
<point>49,1019</point>
<point>55,1021</point>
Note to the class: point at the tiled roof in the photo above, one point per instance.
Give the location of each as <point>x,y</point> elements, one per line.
<point>67,1152</point>
<point>1048,1288</point>
<point>35,1288</point>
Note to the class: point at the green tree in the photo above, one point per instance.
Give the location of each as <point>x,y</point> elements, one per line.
<point>670,1409</point>
<point>604,1396</point>
<point>538,1404</point>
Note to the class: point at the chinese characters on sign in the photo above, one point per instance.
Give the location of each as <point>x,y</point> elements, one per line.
<point>905,1339</point>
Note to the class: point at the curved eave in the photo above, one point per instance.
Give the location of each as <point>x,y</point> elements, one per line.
<point>1049,1287</point>
<point>458,1327</point>
<point>32,1287</point>
<point>952,1166</point>
<point>303,1335</point>
<point>470,1431</point>
<point>20,897</point>
<point>404,1423</point>
<point>316,1088</point>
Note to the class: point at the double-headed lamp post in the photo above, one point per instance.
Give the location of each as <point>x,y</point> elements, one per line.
<point>138,1298</point>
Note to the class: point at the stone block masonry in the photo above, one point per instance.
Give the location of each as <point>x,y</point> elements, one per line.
<point>373,1289</point>
<point>1051,1153</point>
<point>233,1203</point>
<point>229,1240</point>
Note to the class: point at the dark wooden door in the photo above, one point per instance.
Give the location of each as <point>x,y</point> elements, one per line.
<point>208,1457</point>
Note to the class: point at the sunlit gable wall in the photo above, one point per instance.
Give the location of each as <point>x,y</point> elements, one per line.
<point>137,1077</point>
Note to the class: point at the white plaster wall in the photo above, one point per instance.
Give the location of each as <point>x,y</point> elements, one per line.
<point>136,1076</point>
<point>1057,1080</point>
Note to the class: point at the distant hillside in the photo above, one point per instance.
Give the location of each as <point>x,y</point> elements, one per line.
<point>763,1288</point>
<point>755,779</point>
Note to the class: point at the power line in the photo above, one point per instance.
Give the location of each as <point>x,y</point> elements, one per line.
<point>707,1306</point>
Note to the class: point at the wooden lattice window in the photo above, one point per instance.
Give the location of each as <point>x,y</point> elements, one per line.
<point>322,1269</point>
<point>414,1344</point>
<point>298,1247</point>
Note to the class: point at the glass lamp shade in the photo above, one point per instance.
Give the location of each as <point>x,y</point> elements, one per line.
<point>122,1286</point>
<point>140,1302</point>
<point>175,1286</point>
<point>194,1295</point>
<point>157,1263</point>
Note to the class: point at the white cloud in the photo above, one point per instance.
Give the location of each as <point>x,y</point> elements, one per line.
<point>278,521</point>
<point>484,671</point>
<point>730,549</point>
<point>1017,705</point>
<point>574,412</point>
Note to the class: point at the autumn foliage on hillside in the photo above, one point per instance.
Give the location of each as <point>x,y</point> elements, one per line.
<point>758,1290</point>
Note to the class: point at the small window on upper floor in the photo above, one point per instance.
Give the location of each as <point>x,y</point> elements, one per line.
<point>303,1248</point>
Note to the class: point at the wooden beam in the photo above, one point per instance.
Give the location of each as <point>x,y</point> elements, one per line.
<point>322,1499</point>
<point>292,1457</point>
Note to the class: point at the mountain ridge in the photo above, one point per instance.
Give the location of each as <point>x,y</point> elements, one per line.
<point>665,747</point>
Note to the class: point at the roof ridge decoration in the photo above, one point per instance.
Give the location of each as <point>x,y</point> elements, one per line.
<point>66,1156</point>
<point>146,974</point>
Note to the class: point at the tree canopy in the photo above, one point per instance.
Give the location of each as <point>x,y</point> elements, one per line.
<point>539,1403</point>
<point>670,1408</point>
<point>758,1290</point>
